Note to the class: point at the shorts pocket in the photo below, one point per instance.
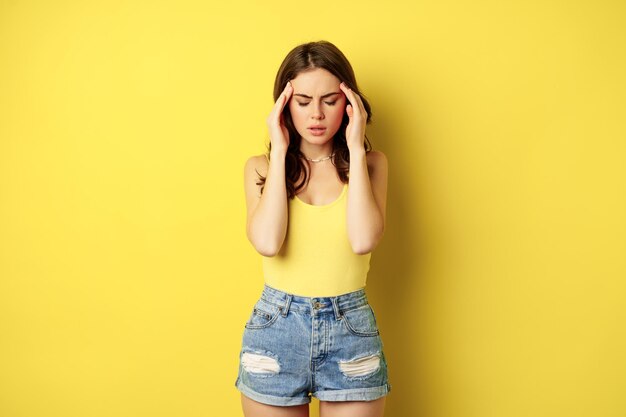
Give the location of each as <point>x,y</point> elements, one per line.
<point>263,315</point>
<point>361,321</point>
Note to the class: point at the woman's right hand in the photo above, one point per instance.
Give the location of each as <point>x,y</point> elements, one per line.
<point>279,135</point>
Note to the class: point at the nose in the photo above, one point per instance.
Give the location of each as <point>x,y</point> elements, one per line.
<point>317,111</point>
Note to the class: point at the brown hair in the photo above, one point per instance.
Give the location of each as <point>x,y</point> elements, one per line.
<point>305,57</point>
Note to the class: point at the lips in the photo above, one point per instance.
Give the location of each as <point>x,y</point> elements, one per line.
<point>317,131</point>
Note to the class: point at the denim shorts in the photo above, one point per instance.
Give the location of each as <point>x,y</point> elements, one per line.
<point>297,347</point>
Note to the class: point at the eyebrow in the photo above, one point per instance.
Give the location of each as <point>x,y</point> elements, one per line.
<point>324,96</point>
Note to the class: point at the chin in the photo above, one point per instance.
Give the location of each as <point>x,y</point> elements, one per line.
<point>317,140</point>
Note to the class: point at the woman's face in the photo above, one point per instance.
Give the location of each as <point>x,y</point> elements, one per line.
<point>317,100</point>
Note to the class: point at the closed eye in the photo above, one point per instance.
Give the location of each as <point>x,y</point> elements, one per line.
<point>330,103</point>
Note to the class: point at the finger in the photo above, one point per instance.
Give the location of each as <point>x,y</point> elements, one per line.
<point>355,102</point>
<point>286,94</point>
<point>288,91</point>
<point>359,103</point>
<point>346,90</point>
<point>350,95</point>
<point>360,100</point>
<point>282,100</point>
<point>356,98</point>
<point>282,95</point>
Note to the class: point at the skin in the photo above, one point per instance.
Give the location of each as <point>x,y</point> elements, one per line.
<point>267,213</point>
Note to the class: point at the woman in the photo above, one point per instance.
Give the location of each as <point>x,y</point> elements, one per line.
<point>312,332</point>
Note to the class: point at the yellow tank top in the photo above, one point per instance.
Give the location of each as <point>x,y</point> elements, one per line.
<point>316,259</point>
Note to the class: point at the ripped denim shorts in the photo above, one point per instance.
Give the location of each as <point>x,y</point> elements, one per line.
<point>296,347</point>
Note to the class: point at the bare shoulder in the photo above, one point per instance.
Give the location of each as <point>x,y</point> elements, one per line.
<point>256,163</point>
<point>376,161</point>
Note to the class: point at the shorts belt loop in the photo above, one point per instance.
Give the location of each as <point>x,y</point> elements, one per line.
<point>285,309</point>
<point>336,308</point>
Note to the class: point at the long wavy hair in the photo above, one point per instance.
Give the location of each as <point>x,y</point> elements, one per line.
<point>306,57</point>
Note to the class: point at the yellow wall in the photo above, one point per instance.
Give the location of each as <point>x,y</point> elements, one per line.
<point>125,273</point>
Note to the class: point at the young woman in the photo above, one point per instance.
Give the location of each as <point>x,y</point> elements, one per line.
<point>315,211</point>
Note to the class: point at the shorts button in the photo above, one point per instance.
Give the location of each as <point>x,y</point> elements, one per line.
<point>317,305</point>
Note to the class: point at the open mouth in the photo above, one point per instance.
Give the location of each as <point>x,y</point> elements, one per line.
<point>317,130</point>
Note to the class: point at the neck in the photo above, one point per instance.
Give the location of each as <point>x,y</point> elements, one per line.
<point>316,151</point>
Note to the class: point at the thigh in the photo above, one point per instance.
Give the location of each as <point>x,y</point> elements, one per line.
<point>274,365</point>
<point>354,367</point>
<point>253,408</point>
<point>374,408</point>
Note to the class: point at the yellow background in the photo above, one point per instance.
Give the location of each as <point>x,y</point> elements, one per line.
<point>125,273</point>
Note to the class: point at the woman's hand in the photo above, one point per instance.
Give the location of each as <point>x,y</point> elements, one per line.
<point>355,131</point>
<point>279,135</point>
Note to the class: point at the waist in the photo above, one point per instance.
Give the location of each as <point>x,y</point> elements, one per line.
<point>338,303</point>
<point>321,278</point>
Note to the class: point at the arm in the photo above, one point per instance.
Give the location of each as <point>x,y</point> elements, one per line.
<point>266,224</point>
<point>367,200</point>
<point>267,215</point>
<point>367,196</point>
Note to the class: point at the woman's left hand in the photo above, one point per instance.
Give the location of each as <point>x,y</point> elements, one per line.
<point>355,131</point>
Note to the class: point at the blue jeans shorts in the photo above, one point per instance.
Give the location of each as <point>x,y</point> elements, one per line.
<point>296,347</point>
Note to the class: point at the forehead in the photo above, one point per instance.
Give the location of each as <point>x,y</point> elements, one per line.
<point>315,82</point>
